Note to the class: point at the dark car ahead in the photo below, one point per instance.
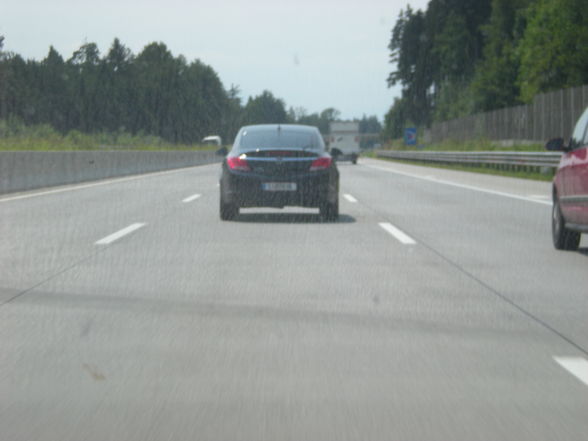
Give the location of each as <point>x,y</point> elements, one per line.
<point>570,188</point>
<point>275,165</point>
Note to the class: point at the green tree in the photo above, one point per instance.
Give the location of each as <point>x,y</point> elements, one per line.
<point>369,125</point>
<point>265,109</point>
<point>232,118</point>
<point>84,69</point>
<point>409,50</point>
<point>153,93</point>
<point>117,89</point>
<point>435,53</point>
<point>495,82</point>
<point>202,104</point>
<point>51,81</point>
<point>554,48</point>
<point>3,81</point>
<point>327,116</point>
<point>455,27</point>
<point>155,81</point>
<point>17,97</point>
<point>313,119</point>
<point>395,120</point>
<point>295,114</point>
<point>453,100</point>
<point>320,120</point>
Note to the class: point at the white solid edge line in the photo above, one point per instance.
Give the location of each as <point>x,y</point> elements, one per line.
<point>577,366</point>
<point>455,184</point>
<point>350,198</point>
<point>74,187</point>
<point>191,198</point>
<point>114,236</point>
<point>539,196</point>
<point>400,235</point>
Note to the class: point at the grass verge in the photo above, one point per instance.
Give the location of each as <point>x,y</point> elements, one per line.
<point>15,136</point>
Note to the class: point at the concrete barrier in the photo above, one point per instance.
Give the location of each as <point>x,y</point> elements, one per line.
<point>27,170</point>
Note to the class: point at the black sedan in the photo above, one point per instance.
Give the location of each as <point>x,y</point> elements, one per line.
<point>275,165</point>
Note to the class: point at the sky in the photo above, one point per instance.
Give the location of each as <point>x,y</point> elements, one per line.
<point>312,54</point>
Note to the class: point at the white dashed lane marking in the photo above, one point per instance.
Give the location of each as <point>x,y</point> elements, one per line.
<point>191,198</point>
<point>400,235</point>
<point>115,236</point>
<point>350,198</point>
<point>577,366</point>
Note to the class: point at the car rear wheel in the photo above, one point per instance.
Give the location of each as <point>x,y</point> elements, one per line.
<point>563,239</point>
<point>228,211</point>
<point>329,211</point>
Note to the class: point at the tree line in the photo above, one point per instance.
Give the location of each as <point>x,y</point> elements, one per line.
<point>460,57</point>
<point>151,93</point>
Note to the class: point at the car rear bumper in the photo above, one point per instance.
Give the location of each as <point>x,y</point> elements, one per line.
<point>312,189</point>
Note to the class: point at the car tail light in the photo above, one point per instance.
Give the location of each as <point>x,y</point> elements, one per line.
<point>321,163</point>
<point>238,163</point>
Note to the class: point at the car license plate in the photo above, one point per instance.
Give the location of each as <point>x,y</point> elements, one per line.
<point>279,186</point>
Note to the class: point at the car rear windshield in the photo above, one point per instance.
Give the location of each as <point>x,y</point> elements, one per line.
<point>278,139</point>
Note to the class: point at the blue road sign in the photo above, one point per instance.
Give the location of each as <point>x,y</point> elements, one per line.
<point>410,136</point>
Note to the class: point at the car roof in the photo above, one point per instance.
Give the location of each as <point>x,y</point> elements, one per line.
<point>289,127</point>
<point>212,138</point>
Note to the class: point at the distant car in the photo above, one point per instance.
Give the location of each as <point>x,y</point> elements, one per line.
<point>213,140</point>
<point>570,188</point>
<point>276,166</point>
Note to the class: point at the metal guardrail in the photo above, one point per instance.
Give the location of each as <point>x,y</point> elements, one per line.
<point>505,160</point>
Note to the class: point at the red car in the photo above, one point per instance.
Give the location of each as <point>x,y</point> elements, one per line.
<point>570,188</point>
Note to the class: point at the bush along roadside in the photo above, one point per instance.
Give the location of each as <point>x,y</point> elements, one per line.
<point>15,136</point>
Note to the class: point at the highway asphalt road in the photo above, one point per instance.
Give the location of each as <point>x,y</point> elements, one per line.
<point>435,309</point>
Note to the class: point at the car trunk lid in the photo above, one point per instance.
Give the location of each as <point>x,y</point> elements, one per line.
<point>281,162</point>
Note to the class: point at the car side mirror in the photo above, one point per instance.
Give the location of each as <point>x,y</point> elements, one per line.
<point>222,151</point>
<point>555,144</point>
